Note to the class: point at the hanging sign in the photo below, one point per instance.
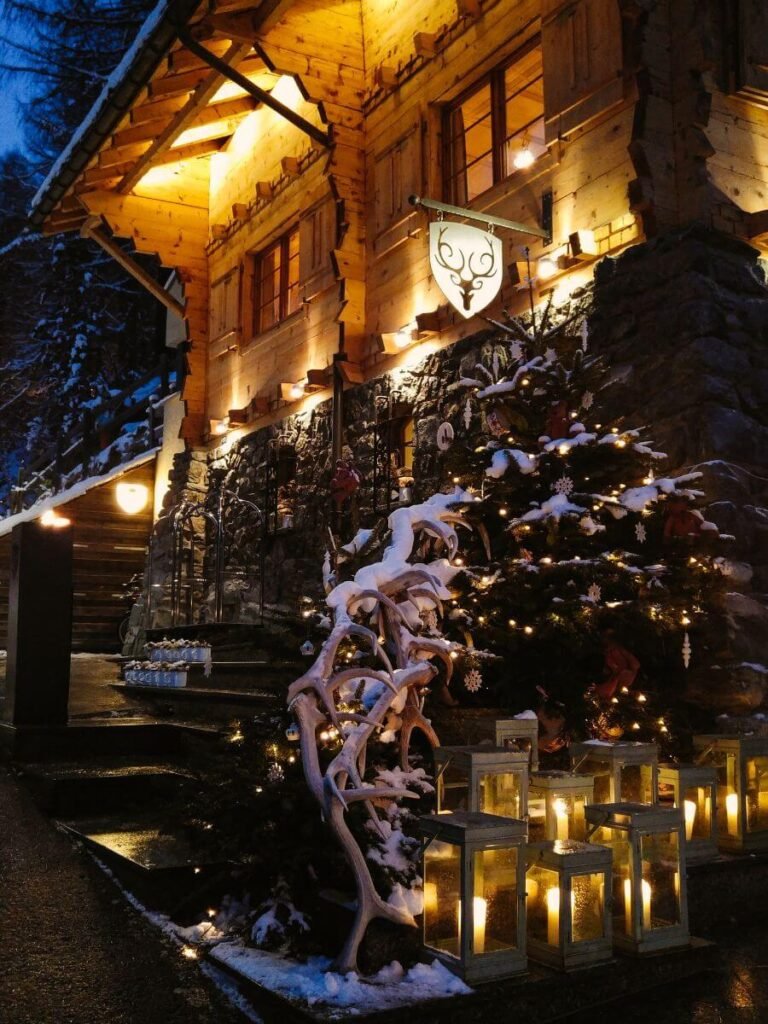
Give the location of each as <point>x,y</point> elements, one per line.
<point>467,265</point>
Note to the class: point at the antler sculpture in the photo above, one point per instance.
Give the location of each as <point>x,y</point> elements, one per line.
<point>380,606</point>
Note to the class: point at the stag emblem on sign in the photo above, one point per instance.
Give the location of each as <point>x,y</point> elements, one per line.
<point>467,265</point>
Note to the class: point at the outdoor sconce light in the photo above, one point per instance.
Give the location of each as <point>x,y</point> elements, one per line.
<point>556,802</point>
<point>693,788</point>
<point>650,910</point>
<point>132,498</point>
<point>395,341</point>
<point>741,763</point>
<point>583,245</point>
<point>51,518</point>
<point>546,267</point>
<point>621,771</point>
<point>218,428</point>
<point>524,157</point>
<point>482,779</point>
<point>292,391</point>
<point>568,915</point>
<point>473,866</point>
<point>520,734</point>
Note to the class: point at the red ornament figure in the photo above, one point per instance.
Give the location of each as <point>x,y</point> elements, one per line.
<point>346,480</point>
<point>680,521</point>
<point>620,667</point>
<point>557,422</point>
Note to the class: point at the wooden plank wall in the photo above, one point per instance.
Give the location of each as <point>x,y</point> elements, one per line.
<point>109,547</point>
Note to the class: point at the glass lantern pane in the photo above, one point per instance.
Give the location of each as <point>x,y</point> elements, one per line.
<point>636,783</point>
<point>494,903</point>
<point>522,744</point>
<point>660,886</point>
<point>542,898</point>
<point>618,842</point>
<point>500,794</point>
<point>697,812</point>
<point>602,777</point>
<point>757,794</point>
<point>453,789</point>
<point>537,817</point>
<point>727,793</point>
<point>442,897</point>
<point>587,904</point>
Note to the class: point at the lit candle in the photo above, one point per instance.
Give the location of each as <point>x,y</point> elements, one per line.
<point>646,890</point>
<point>732,813</point>
<point>689,807</point>
<point>628,905</point>
<point>553,916</point>
<point>430,897</point>
<point>561,818</point>
<point>480,908</point>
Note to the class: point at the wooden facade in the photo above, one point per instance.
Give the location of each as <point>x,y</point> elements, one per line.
<point>645,116</point>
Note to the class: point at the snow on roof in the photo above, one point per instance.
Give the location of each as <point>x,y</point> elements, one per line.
<point>75,491</point>
<point>121,88</point>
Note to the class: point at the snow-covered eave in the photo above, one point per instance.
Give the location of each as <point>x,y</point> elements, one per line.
<point>120,91</point>
<point>75,491</point>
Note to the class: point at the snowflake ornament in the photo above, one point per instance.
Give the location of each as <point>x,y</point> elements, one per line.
<point>275,773</point>
<point>564,485</point>
<point>473,680</point>
<point>587,400</point>
<point>641,533</point>
<point>594,593</point>
<point>550,355</point>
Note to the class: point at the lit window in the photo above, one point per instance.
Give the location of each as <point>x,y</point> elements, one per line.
<point>496,129</point>
<point>277,281</point>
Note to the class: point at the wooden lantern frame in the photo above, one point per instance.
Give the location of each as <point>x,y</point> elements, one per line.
<point>473,833</point>
<point>637,821</point>
<point>474,763</point>
<point>681,778</point>
<point>549,786</point>
<point>733,834</point>
<point>520,734</point>
<point>569,859</point>
<point>590,757</point>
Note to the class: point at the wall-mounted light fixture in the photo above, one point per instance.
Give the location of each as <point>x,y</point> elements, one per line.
<point>393,342</point>
<point>54,520</point>
<point>524,157</point>
<point>583,245</point>
<point>132,498</point>
<point>218,428</point>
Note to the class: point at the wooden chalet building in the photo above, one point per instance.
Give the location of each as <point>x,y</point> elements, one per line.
<point>266,152</point>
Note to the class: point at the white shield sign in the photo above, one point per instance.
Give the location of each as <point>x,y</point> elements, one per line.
<point>467,265</point>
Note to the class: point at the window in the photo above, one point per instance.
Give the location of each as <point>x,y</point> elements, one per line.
<point>495,129</point>
<point>277,281</point>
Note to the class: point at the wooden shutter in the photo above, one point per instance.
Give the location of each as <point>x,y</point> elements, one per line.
<point>225,312</point>
<point>317,235</point>
<point>397,175</point>
<point>752,50</point>
<point>582,55</point>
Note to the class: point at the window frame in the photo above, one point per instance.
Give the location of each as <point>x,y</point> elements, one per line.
<point>281,244</point>
<point>496,79</point>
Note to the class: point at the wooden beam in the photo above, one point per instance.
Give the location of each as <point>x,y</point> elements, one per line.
<point>94,229</point>
<point>196,102</point>
<point>315,133</point>
<point>148,130</point>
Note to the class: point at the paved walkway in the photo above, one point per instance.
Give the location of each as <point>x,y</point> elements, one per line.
<point>72,951</point>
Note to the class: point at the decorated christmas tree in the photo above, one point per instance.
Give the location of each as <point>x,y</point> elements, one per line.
<point>595,587</point>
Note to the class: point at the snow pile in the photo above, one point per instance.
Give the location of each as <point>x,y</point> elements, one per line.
<point>313,984</point>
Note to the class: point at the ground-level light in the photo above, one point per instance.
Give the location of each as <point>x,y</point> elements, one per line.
<point>693,788</point>
<point>650,909</point>
<point>520,734</point>
<point>556,802</point>
<point>474,893</point>
<point>567,886</point>
<point>741,763</point>
<point>622,771</point>
<point>487,779</point>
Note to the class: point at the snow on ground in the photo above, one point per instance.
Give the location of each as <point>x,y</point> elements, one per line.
<point>315,985</point>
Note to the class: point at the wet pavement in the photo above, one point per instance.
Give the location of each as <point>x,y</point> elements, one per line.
<point>72,951</point>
